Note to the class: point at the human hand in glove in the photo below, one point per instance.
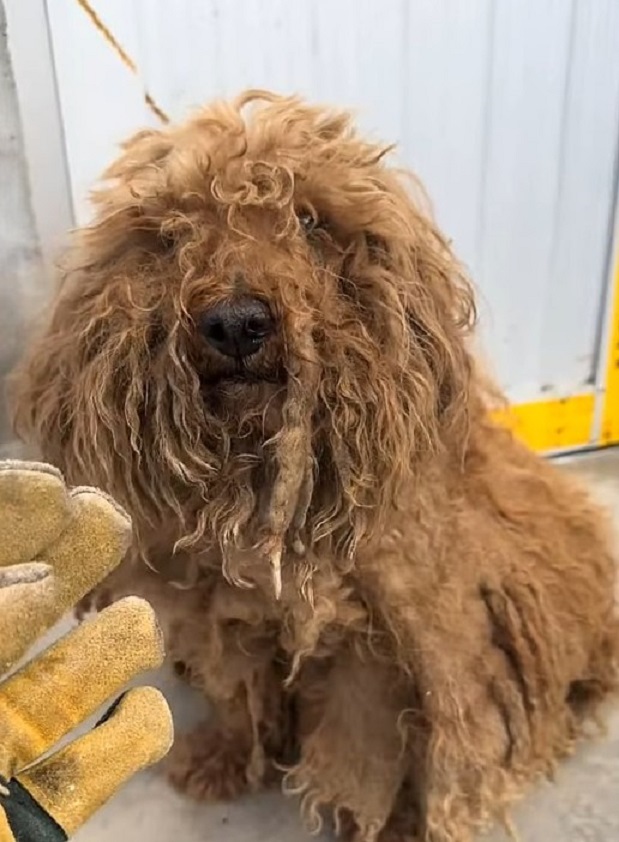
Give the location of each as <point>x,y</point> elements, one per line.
<point>55,546</point>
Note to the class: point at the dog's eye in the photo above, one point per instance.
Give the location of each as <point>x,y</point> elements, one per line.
<point>308,221</point>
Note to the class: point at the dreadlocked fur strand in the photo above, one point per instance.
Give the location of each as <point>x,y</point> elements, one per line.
<point>292,489</point>
<point>382,593</point>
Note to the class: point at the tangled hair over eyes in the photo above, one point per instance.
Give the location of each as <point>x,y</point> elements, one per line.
<point>366,376</point>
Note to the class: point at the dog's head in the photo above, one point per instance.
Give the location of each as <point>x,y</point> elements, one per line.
<point>260,334</point>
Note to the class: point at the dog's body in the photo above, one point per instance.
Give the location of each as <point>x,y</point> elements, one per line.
<point>260,349</point>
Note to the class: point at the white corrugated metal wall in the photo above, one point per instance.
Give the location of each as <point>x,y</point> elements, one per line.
<point>507,109</point>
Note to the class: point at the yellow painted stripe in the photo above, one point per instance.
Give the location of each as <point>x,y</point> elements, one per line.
<point>568,423</point>
<point>553,424</point>
<point>610,412</point>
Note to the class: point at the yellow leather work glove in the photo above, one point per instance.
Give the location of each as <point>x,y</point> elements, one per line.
<point>55,546</point>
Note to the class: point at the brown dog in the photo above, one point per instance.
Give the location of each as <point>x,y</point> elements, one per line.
<point>260,349</point>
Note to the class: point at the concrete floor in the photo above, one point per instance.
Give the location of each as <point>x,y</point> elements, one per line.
<point>580,806</point>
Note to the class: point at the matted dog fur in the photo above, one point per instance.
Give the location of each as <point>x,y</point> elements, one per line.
<point>383,593</point>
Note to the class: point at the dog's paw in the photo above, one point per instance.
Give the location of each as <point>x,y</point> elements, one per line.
<point>209,765</point>
<point>401,827</point>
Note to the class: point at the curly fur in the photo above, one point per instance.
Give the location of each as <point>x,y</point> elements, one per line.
<point>446,626</point>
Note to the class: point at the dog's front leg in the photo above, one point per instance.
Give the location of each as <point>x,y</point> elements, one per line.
<point>352,754</point>
<point>230,654</point>
<point>226,756</point>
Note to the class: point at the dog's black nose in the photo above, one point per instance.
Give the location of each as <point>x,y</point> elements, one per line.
<point>237,327</point>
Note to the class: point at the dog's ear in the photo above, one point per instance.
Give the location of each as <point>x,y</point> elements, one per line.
<point>76,391</point>
<point>60,391</point>
<point>405,390</point>
<point>440,311</point>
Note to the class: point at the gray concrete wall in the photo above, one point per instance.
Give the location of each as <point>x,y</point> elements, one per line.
<point>21,278</point>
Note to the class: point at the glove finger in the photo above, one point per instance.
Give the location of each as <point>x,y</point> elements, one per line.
<point>18,610</point>
<point>74,783</point>
<point>90,547</point>
<point>34,509</point>
<point>50,696</point>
